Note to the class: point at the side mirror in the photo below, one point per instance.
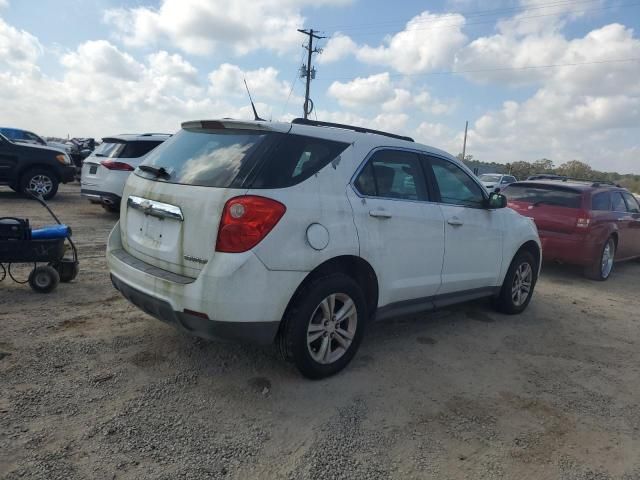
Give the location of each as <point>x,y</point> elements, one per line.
<point>496,200</point>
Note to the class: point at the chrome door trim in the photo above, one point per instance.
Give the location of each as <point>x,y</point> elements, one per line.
<point>155,209</point>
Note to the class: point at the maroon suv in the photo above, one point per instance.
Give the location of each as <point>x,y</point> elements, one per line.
<point>582,223</point>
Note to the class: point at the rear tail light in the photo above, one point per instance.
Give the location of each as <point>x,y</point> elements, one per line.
<point>583,222</point>
<point>111,165</point>
<point>245,221</point>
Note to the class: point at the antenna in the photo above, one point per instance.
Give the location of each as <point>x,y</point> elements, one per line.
<point>255,113</point>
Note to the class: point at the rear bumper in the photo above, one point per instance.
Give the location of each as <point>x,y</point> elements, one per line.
<point>260,333</point>
<point>102,197</point>
<point>242,299</point>
<point>574,249</point>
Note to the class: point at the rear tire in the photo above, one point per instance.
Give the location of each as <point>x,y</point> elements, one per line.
<point>111,208</point>
<point>324,326</point>
<point>600,270</point>
<point>44,279</point>
<point>519,283</point>
<point>40,181</point>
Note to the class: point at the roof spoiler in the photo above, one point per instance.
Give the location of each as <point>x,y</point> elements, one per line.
<point>316,123</point>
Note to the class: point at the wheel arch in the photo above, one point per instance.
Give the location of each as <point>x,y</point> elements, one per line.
<point>533,248</point>
<point>353,266</point>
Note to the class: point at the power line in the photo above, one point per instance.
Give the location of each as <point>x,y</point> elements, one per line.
<point>465,24</point>
<point>307,71</point>
<point>467,14</point>
<point>495,69</point>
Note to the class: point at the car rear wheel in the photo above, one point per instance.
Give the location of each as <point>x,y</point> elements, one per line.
<point>518,285</point>
<point>602,267</point>
<point>39,181</point>
<point>324,326</point>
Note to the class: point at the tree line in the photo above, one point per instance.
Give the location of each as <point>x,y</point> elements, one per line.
<point>574,168</point>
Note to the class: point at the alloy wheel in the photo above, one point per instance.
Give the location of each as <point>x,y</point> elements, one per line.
<point>522,282</point>
<point>331,328</point>
<point>606,263</point>
<point>40,184</point>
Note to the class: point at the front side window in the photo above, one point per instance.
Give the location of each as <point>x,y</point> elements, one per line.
<point>392,174</point>
<point>600,202</point>
<point>456,186</point>
<point>617,202</point>
<point>632,203</point>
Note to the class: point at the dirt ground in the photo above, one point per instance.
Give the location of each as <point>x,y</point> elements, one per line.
<point>91,387</point>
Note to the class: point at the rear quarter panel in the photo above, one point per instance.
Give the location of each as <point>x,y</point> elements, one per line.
<point>320,199</point>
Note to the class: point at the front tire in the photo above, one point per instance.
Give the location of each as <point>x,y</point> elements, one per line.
<point>40,181</point>
<point>602,267</point>
<point>519,283</point>
<point>324,326</point>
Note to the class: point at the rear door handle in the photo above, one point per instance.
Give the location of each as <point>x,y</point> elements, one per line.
<point>380,214</point>
<point>455,221</point>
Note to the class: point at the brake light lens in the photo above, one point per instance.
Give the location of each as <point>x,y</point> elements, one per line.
<point>112,165</point>
<point>583,222</point>
<point>245,221</point>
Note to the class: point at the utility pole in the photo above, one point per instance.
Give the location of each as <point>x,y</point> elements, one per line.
<point>464,144</point>
<point>307,71</point>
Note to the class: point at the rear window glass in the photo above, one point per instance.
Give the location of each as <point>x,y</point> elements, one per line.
<point>138,148</point>
<point>241,158</point>
<point>130,149</point>
<point>489,178</point>
<point>544,195</point>
<point>600,201</point>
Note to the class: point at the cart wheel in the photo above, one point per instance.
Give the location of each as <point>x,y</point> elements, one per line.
<point>67,269</point>
<point>44,279</point>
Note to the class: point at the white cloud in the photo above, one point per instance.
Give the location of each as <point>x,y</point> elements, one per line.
<point>263,83</point>
<point>99,57</point>
<point>18,49</point>
<point>375,89</point>
<point>200,27</point>
<point>337,47</point>
<point>4,3</point>
<point>428,41</point>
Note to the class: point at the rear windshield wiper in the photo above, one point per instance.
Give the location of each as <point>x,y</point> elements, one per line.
<point>158,172</point>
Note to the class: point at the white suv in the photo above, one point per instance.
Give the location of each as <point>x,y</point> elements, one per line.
<point>303,232</point>
<point>106,170</point>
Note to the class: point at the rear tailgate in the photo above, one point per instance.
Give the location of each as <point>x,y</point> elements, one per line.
<point>172,226</point>
<point>554,208</point>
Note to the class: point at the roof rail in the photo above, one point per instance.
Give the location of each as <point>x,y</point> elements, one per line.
<point>154,133</point>
<point>564,178</point>
<point>316,123</point>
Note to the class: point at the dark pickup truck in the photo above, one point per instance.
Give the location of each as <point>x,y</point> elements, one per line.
<point>34,167</point>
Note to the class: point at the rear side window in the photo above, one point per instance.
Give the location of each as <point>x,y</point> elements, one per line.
<point>241,158</point>
<point>544,195</point>
<point>600,202</point>
<point>292,159</point>
<point>138,148</point>
<point>392,174</point>
<point>632,203</point>
<point>617,202</point>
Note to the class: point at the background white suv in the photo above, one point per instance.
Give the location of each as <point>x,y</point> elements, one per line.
<point>304,232</point>
<point>106,170</point>
<point>491,181</point>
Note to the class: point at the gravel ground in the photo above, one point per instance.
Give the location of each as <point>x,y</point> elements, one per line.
<point>90,387</point>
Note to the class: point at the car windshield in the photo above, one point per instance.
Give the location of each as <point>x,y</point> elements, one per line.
<point>544,195</point>
<point>489,178</point>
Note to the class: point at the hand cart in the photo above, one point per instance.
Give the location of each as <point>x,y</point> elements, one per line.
<point>20,244</point>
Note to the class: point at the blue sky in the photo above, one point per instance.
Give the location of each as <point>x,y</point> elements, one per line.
<point>100,67</point>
